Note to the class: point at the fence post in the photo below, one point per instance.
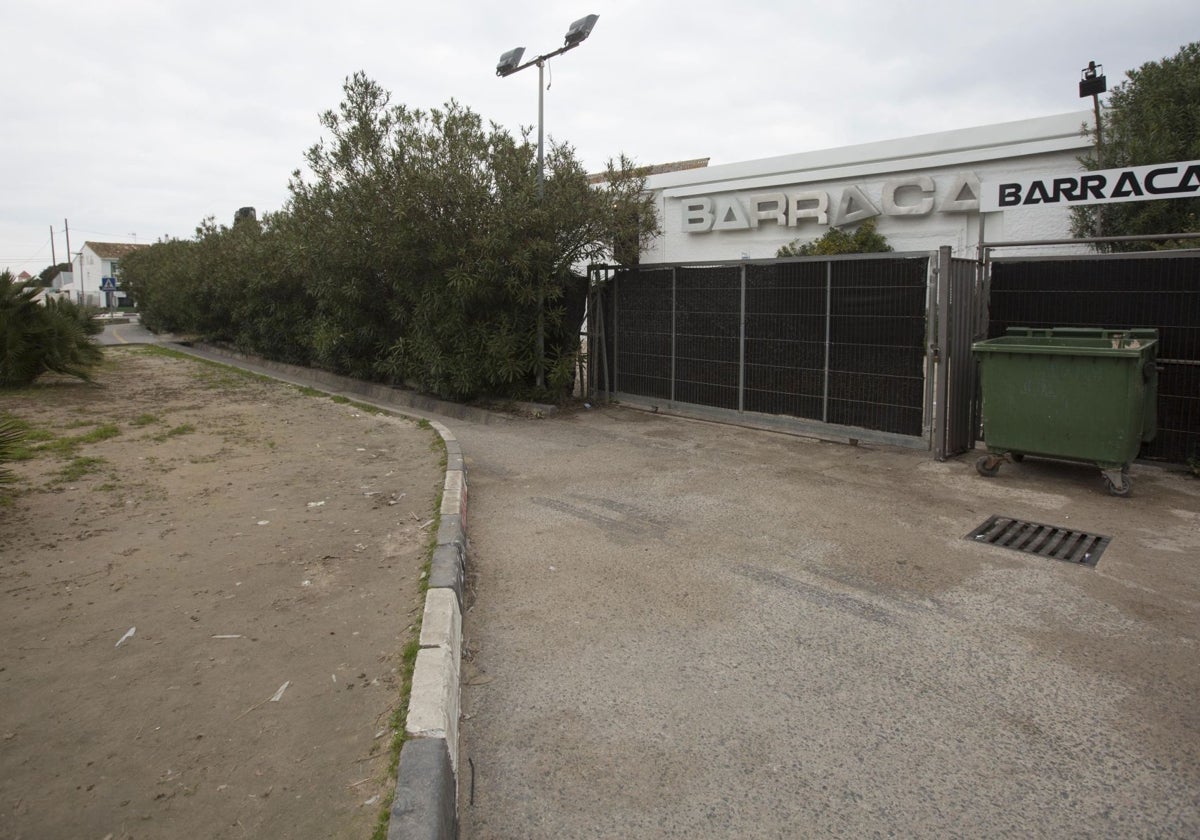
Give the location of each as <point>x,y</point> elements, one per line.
<point>616,334</point>
<point>674,333</point>
<point>828,327</point>
<point>742,344</point>
<point>940,351</point>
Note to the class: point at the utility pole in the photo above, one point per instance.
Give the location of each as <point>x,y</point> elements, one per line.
<point>78,280</point>
<point>53,257</point>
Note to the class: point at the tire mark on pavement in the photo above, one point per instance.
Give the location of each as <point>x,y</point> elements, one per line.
<point>834,600</point>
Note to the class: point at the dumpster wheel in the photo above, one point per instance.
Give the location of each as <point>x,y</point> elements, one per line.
<point>988,465</point>
<point>1118,482</point>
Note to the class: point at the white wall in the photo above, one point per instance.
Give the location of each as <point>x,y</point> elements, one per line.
<point>918,219</point>
<point>87,278</point>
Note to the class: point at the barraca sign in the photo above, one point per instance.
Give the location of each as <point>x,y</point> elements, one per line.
<point>914,195</point>
<point>1107,186</point>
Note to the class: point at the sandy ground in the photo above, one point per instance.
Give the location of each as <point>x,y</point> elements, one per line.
<point>266,545</point>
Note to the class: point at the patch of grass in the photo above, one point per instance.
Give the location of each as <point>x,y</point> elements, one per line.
<point>306,391</point>
<point>177,431</point>
<point>338,398</point>
<point>78,467</point>
<point>210,373</point>
<point>385,815</point>
<point>408,663</point>
<point>43,441</point>
<point>145,420</point>
<point>108,430</point>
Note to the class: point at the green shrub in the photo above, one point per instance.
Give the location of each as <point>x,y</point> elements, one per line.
<point>36,339</point>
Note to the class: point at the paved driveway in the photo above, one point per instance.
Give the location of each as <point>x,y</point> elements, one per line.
<point>682,629</point>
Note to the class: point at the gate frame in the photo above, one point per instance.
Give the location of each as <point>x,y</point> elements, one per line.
<point>952,320</point>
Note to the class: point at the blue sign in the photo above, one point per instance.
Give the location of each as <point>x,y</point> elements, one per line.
<point>108,284</point>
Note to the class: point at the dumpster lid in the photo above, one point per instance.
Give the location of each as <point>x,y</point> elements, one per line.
<point>1081,341</point>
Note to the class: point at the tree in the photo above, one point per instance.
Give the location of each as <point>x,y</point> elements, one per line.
<point>430,247</point>
<point>47,274</point>
<point>35,338</point>
<point>1152,117</point>
<point>414,250</point>
<point>864,240</point>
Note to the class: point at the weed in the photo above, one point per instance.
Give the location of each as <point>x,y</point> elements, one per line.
<point>145,420</point>
<point>339,399</point>
<point>98,434</point>
<point>177,431</point>
<point>78,467</point>
<point>385,813</point>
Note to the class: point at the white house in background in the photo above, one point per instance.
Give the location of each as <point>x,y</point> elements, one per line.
<point>923,192</point>
<point>96,262</point>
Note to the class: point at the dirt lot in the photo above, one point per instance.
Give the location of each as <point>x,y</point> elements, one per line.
<point>208,580</point>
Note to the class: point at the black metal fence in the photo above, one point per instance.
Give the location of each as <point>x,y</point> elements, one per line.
<point>841,341</point>
<point>1160,290</point>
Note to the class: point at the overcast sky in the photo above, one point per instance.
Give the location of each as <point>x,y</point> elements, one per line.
<point>136,119</point>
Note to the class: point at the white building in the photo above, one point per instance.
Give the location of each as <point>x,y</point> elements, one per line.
<point>924,192</point>
<point>96,262</point>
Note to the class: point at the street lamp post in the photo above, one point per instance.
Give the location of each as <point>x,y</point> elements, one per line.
<point>510,62</point>
<point>1092,82</point>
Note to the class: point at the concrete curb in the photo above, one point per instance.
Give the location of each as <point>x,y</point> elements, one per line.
<point>425,803</point>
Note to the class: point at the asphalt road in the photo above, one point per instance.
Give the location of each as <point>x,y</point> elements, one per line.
<point>681,629</point>
<point>129,333</point>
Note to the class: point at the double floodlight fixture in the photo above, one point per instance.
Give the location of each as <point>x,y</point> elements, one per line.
<point>510,63</point>
<point>577,33</point>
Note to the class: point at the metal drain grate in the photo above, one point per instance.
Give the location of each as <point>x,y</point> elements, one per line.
<point>1043,540</point>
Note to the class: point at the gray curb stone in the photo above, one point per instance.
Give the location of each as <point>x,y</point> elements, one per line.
<point>446,570</point>
<point>424,807</point>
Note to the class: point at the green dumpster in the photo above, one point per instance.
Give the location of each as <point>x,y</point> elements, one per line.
<point>1077,394</point>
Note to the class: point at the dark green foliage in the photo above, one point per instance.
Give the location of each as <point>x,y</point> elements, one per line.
<point>413,250</point>
<point>1152,117</point>
<point>12,436</point>
<point>36,338</point>
<point>864,240</point>
<point>46,275</point>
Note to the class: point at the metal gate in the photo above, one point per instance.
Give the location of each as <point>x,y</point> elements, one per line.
<point>836,346</point>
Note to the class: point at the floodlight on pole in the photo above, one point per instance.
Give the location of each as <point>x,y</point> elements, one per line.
<point>509,63</point>
<point>1092,83</point>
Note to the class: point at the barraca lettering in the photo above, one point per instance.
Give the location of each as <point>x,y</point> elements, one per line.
<point>911,196</point>
<point>1141,182</point>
